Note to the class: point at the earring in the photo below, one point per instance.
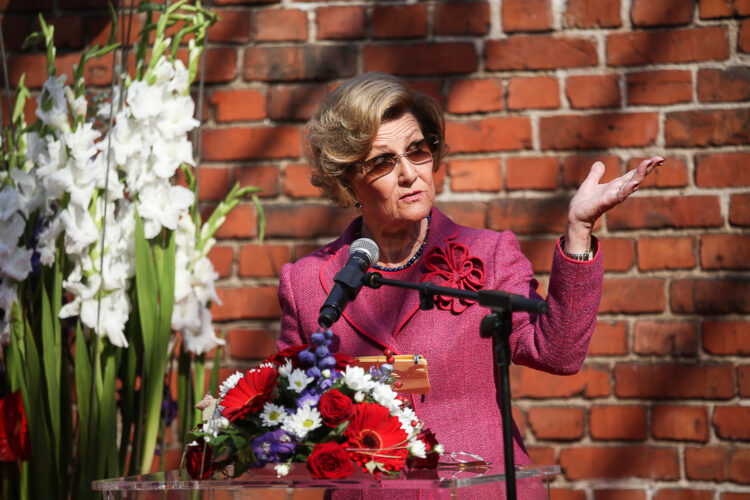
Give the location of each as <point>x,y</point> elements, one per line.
<point>357,204</point>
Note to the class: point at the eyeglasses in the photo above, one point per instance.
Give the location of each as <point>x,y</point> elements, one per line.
<point>418,153</point>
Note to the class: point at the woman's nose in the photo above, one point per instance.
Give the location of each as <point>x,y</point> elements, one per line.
<point>407,171</point>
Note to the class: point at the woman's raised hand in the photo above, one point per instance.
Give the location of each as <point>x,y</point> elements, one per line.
<point>594,199</point>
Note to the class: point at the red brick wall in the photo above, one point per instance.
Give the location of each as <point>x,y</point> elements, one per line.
<point>535,91</point>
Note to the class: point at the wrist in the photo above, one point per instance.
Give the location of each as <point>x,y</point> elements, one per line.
<point>577,238</point>
<point>583,256</point>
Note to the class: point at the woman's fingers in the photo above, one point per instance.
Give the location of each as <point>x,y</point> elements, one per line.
<point>630,182</point>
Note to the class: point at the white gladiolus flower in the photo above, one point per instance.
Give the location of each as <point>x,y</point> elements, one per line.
<point>161,206</point>
<point>17,265</point>
<point>10,230</point>
<point>80,230</point>
<point>145,101</point>
<point>30,194</point>
<point>169,155</point>
<point>81,142</point>
<point>186,315</point>
<point>204,339</point>
<point>115,311</point>
<point>204,277</point>
<point>9,205</point>
<point>178,117</point>
<point>53,98</point>
<point>8,295</point>
<point>181,80</point>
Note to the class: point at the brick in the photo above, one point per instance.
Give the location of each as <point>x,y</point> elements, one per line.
<point>679,423</point>
<point>711,9</point>
<point>422,59</point>
<point>432,88</point>
<point>576,168</point>
<point>619,494</point>
<point>659,87</point>
<point>632,295</point>
<point>666,211</point>
<point>250,143</point>
<point>461,18</point>
<point>304,62</point>
<point>590,382</point>
<point>240,223</point>
<point>672,173</point>
<point>714,463</point>
<point>476,175</point>
<point>539,92</point>
<point>528,216</point>
<point>565,494</point>
<point>262,176</point>
<point>245,2</point>
<point>15,30</point>
<point>726,337</point>
<point>488,134</point>
<point>520,420</point>
<point>233,26</point>
<point>593,91</point>
<point>531,173</point>
<point>674,381</point>
<point>238,105</point>
<point>649,13</point>
<point>683,494</point>
<point>670,46</point>
<point>722,170</point>
<point>647,462</point>
<point>539,52</point>
<point>666,253</point>
<point>294,102</point>
<point>592,14</point>
<point>98,71</point>
<point>730,422</point>
<point>308,221</point>
<point>619,254</point>
<point>724,85</point>
<point>542,455</point>
<point>743,377</point>
<point>539,253</point>
<point>297,182</point>
<point>674,338</point>
<point>222,258</point>
<point>341,23</point>
<point>627,423</point>
<point>475,96</point>
<point>739,209</point>
<point>560,424</point>
<point>707,128</point>
<point>399,21</point>
<point>598,131</point>
<point>467,213</point>
<point>221,64</point>
<point>68,31</point>
<point>263,260</point>
<point>610,339</point>
<point>246,343</point>
<point>725,251</point>
<point>526,15</point>
<point>735,496</point>
<point>213,183</point>
<point>709,296</point>
<point>278,25</point>
<point>246,303</point>
<point>743,41</point>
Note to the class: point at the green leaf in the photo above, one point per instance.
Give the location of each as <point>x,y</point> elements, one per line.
<point>51,353</point>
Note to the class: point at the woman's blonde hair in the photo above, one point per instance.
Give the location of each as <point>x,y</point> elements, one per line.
<point>342,131</point>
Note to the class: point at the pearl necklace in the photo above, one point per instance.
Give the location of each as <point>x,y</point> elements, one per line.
<point>410,261</point>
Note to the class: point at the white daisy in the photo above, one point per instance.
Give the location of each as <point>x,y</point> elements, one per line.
<point>384,395</point>
<point>215,424</point>
<point>304,421</point>
<point>356,379</point>
<point>406,416</point>
<point>273,415</point>
<point>417,448</point>
<point>230,382</point>
<point>286,368</point>
<point>298,380</point>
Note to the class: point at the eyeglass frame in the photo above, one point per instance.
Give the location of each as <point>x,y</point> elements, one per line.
<point>432,148</point>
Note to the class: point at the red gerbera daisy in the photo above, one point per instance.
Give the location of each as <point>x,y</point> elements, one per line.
<point>374,435</point>
<point>250,394</point>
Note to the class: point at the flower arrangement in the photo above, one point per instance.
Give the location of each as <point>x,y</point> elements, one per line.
<point>305,404</point>
<point>103,258</point>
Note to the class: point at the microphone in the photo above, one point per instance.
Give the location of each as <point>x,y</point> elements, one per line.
<point>362,254</point>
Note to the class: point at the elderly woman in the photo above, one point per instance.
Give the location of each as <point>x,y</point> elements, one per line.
<point>376,144</point>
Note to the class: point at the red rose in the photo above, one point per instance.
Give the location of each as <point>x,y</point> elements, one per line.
<point>335,408</point>
<point>329,461</point>
<point>432,459</point>
<point>14,429</point>
<point>198,460</point>
<point>250,394</point>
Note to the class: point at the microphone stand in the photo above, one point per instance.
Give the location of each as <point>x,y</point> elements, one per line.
<point>498,325</point>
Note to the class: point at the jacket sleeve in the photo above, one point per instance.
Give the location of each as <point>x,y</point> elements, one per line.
<point>291,329</point>
<point>556,342</point>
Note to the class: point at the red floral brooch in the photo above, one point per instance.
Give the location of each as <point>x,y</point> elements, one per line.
<point>455,268</point>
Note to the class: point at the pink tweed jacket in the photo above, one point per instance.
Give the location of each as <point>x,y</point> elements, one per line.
<point>462,408</point>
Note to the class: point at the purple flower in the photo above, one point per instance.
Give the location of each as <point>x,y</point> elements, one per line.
<point>318,338</point>
<point>322,351</point>
<point>168,406</point>
<point>307,357</point>
<point>313,372</point>
<point>272,447</point>
<point>308,398</point>
<point>327,362</point>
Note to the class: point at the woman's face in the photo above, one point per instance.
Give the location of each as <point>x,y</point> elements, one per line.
<point>404,195</point>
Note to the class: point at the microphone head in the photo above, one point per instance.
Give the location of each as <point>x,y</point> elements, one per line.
<point>367,247</point>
